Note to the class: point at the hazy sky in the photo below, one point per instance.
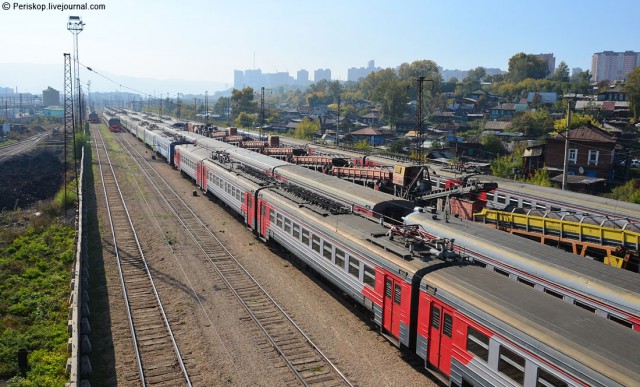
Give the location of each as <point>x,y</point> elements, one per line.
<point>207,40</point>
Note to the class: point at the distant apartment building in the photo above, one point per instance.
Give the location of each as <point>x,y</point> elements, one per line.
<point>355,74</point>
<point>550,60</point>
<point>613,66</point>
<point>50,97</point>
<point>321,74</point>
<point>302,77</point>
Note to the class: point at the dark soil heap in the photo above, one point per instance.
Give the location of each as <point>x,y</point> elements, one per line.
<point>28,178</point>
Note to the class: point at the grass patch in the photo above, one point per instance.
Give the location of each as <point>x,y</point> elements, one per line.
<point>36,256</point>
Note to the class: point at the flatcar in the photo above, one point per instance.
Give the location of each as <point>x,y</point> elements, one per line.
<point>469,325</point>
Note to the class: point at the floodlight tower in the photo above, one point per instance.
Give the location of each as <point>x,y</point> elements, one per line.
<point>75,26</point>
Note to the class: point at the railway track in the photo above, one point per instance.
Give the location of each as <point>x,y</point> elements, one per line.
<point>305,360</point>
<point>21,147</point>
<point>157,355</point>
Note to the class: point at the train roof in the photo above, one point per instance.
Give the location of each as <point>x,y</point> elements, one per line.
<point>347,191</point>
<point>616,287</point>
<point>519,311</point>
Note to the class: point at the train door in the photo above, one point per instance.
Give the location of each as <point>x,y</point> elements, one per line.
<point>249,217</point>
<point>440,342</point>
<point>198,175</point>
<point>391,307</point>
<point>204,175</point>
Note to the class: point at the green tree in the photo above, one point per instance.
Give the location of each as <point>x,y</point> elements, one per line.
<point>398,146</point>
<point>577,120</point>
<point>362,145</point>
<point>492,144</point>
<point>561,73</point>
<point>245,120</point>
<point>222,105</point>
<point>523,66</point>
<point>243,101</point>
<point>632,88</point>
<point>533,123</point>
<point>540,177</point>
<point>507,166</point>
<point>628,192</point>
<point>307,129</point>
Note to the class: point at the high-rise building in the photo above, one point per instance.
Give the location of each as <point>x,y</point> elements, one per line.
<point>50,97</point>
<point>550,60</point>
<point>613,66</point>
<point>355,74</point>
<point>238,79</point>
<point>321,74</point>
<point>302,77</point>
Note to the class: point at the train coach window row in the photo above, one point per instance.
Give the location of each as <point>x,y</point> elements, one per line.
<point>509,363</point>
<point>334,254</point>
<point>228,188</point>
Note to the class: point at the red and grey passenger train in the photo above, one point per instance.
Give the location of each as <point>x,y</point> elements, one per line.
<point>471,326</point>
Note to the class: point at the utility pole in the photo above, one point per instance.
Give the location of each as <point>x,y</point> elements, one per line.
<point>75,26</point>
<point>420,119</point>
<point>206,107</point>
<point>261,112</point>
<point>338,123</point>
<point>178,106</point>
<point>565,168</point>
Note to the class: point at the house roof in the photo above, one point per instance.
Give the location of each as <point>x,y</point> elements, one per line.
<point>544,97</point>
<point>602,105</point>
<point>577,179</point>
<point>369,132</point>
<point>496,125</point>
<point>587,134</point>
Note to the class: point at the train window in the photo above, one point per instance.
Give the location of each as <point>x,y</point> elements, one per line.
<point>511,365</point>
<point>435,317</point>
<point>620,321</point>
<point>354,267</point>
<point>327,250</point>
<point>546,379</point>
<point>502,272</point>
<point>370,276</point>
<point>279,220</point>
<point>490,196</point>
<point>339,258</point>
<point>387,288</point>
<point>305,236</point>
<point>585,306</point>
<point>513,202</point>
<point>552,293</point>
<point>478,343</point>
<point>502,199</point>
<point>526,204</point>
<point>272,216</point>
<point>296,231</point>
<point>397,295</point>
<point>448,325</point>
<point>315,243</point>
<point>287,225</point>
<point>526,282</point>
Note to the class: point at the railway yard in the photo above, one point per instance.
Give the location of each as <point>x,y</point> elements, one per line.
<point>215,258</point>
<point>211,316</point>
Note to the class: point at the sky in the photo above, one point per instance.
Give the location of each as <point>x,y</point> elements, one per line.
<point>198,44</point>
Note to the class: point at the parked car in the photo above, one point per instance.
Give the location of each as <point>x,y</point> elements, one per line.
<point>635,163</point>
